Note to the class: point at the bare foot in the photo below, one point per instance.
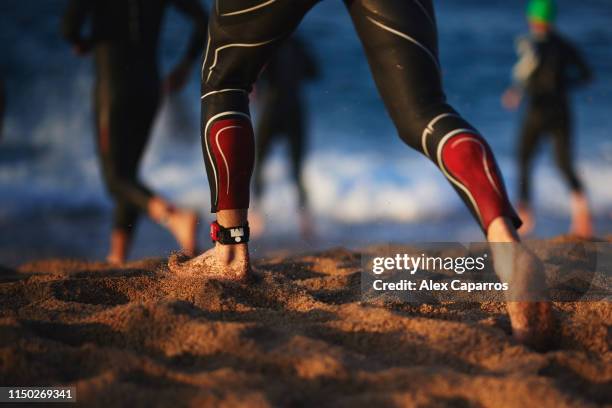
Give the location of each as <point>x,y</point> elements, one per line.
<point>526,215</point>
<point>530,312</point>
<point>582,224</point>
<point>115,259</point>
<point>531,316</point>
<point>183,225</point>
<point>533,323</point>
<point>225,262</point>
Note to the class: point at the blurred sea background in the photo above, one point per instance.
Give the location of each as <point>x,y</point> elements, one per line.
<point>364,184</point>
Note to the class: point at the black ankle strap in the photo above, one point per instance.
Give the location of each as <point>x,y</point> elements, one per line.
<point>229,236</point>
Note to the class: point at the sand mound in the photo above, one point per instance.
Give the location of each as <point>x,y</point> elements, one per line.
<point>299,335</point>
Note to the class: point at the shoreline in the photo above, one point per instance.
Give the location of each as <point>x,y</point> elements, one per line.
<point>51,234</point>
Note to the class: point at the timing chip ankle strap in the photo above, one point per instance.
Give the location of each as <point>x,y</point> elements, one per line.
<point>229,236</point>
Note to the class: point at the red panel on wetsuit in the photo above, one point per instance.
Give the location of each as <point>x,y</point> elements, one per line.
<point>469,160</point>
<point>232,144</point>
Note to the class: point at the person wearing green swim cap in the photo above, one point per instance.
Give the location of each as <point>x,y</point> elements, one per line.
<point>549,66</point>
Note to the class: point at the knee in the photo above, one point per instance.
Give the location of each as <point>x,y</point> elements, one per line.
<point>114,181</point>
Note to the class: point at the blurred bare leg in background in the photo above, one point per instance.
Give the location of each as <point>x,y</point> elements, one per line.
<point>582,222</point>
<point>124,41</point>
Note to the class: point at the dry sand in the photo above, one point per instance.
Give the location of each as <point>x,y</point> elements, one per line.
<point>299,336</point>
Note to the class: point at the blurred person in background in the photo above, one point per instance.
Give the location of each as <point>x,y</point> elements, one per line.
<point>123,37</point>
<point>549,66</point>
<point>279,90</point>
<point>400,41</point>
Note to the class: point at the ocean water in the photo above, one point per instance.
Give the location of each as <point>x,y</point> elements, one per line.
<point>365,185</point>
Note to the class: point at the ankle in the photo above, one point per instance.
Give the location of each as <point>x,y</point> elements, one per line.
<point>501,229</point>
<point>579,201</point>
<point>232,218</point>
<point>230,253</point>
<point>119,243</point>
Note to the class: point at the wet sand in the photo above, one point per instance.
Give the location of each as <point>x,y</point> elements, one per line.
<point>299,336</point>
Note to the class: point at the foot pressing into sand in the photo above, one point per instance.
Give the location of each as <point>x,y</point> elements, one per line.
<point>226,262</point>
<point>531,317</point>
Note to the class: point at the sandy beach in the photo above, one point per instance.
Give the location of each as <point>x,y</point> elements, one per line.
<point>299,336</point>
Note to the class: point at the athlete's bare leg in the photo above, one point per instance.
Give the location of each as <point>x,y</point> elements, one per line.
<point>582,224</point>
<point>119,246</point>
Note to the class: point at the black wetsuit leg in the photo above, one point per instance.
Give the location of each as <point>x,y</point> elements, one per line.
<point>546,120</point>
<point>126,100</point>
<point>400,41</point>
<point>531,134</point>
<point>296,137</point>
<point>562,144</point>
<point>242,37</point>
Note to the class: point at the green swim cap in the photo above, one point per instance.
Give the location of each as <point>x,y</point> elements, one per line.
<point>543,11</point>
